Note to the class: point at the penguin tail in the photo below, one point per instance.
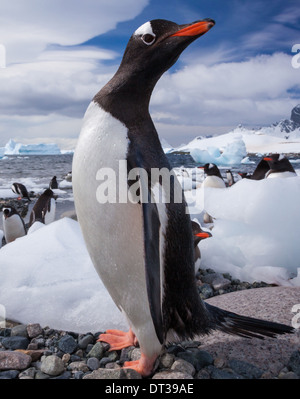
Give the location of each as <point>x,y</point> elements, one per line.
<point>243,326</point>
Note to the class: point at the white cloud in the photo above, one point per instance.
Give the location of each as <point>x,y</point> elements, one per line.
<point>255,91</point>
<point>27,27</point>
<point>46,96</point>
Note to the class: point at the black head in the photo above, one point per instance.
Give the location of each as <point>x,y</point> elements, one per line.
<point>9,211</point>
<point>156,45</point>
<point>48,193</point>
<point>198,233</point>
<point>210,169</point>
<point>152,49</point>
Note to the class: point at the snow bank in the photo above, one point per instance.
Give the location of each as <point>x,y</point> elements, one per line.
<point>13,148</point>
<point>256,229</point>
<point>264,141</point>
<point>47,277</point>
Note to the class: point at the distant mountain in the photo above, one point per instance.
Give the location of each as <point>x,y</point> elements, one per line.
<point>280,137</point>
<point>289,125</point>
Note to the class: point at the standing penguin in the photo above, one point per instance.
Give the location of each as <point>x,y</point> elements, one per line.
<point>150,274</point>
<point>44,209</point>
<point>213,179</point>
<point>53,183</point>
<point>21,190</point>
<point>13,224</point>
<point>259,173</point>
<point>230,178</point>
<point>279,166</point>
<point>213,176</point>
<point>199,235</point>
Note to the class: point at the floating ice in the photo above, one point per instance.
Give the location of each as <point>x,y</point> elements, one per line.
<point>232,154</point>
<point>13,148</point>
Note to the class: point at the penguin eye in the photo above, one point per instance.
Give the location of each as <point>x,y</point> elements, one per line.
<point>148,39</point>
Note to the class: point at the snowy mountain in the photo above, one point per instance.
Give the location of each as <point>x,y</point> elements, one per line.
<point>280,137</point>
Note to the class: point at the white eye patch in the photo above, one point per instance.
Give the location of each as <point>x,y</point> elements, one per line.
<point>145,29</point>
<point>146,33</point>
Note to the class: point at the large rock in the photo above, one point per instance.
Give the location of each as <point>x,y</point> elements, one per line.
<point>14,360</point>
<point>52,365</point>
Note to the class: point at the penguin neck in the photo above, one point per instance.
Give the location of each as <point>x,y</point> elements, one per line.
<point>127,96</point>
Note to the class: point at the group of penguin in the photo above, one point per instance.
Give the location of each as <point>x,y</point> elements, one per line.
<point>271,166</point>
<point>43,211</point>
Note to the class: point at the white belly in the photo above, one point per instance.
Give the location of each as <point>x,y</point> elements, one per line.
<point>113,232</point>
<point>50,216</point>
<point>213,181</point>
<point>13,228</point>
<point>281,174</point>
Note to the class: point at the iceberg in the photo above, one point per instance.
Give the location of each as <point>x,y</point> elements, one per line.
<point>233,153</point>
<point>14,148</point>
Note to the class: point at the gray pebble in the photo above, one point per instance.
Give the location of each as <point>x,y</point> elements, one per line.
<point>67,344</point>
<point>93,363</point>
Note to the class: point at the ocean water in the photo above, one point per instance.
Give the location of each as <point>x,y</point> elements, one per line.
<point>36,171</point>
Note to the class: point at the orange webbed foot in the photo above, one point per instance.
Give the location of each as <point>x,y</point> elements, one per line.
<point>143,366</point>
<point>118,339</point>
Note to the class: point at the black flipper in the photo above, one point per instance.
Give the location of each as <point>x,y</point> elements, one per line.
<point>244,326</point>
<point>151,224</point>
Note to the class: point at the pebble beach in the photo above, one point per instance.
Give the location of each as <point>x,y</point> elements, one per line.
<point>40,352</point>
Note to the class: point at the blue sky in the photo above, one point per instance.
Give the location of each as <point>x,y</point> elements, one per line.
<point>60,53</point>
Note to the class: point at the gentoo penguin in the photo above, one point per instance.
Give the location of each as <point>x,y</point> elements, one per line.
<point>230,178</point>
<point>53,183</point>
<point>21,190</point>
<point>213,176</point>
<point>68,176</point>
<point>279,166</point>
<point>44,209</point>
<point>198,235</point>
<point>213,179</point>
<point>259,173</point>
<point>150,274</point>
<point>13,224</point>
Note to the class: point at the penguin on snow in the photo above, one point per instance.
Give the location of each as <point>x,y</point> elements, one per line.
<point>150,274</point>
<point>213,176</point>
<point>44,209</point>
<point>53,183</point>
<point>13,224</point>
<point>198,235</point>
<point>279,166</point>
<point>259,173</point>
<point>230,178</point>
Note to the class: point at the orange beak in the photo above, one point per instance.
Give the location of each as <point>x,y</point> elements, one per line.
<point>203,235</point>
<point>267,159</point>
<point>198,28</point>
